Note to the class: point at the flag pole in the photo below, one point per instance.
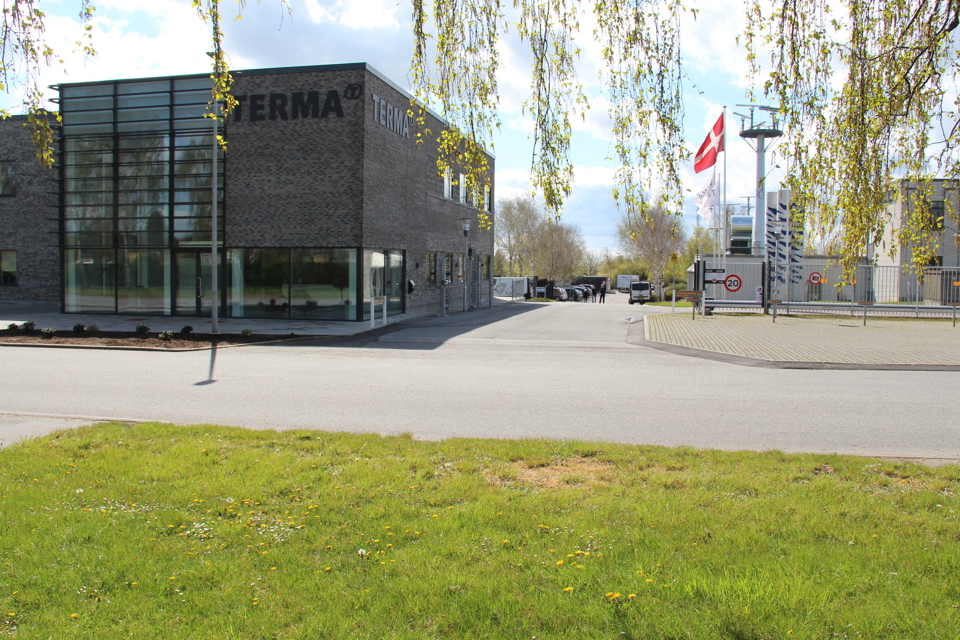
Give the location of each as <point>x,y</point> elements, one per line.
<point>723,201</point>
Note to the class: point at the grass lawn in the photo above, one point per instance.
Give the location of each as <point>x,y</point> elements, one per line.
<point>157,531</point>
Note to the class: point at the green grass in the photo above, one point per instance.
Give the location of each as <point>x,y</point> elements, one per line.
<point>668,303</point>
<point>157,531</point>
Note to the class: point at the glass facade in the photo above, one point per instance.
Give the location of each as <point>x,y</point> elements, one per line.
<point>135,224</point>
<point>136,160</point>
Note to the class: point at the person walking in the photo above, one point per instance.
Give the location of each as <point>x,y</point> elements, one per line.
<point>603,291</point>
<point>593,292</point>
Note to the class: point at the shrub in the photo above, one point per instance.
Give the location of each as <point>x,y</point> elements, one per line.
<point>142,330</point>
<point>28,326</point>
<point>49,332</point>
<point>187,330</point>
<point>165,336</point>
<point>246,333</point>
<point>93,330</point>
<point>13,326</point>
<point>79,327</point>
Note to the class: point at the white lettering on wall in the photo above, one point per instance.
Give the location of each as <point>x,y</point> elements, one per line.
<point>393,118</point>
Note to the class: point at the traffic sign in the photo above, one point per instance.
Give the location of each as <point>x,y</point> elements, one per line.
<point>815,278</point>
<point>732,283</point>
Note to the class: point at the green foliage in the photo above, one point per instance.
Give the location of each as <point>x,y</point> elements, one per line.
<point>28,326</point>
<point>246,333</point>
<point>13,326</point>
<point>79,327</point>
<point>165,336</point>
<point>48,332</point>
<point>867,92</point>
<point>92,330</point>
<point>199,531</point>
<point>142,330</point>
<point>186,330</point>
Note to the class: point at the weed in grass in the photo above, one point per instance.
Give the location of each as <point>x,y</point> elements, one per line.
<point>189,531</point>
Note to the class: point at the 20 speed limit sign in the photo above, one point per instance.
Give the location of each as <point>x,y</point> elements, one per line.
<point>815,278</point>
<point>732,283</point>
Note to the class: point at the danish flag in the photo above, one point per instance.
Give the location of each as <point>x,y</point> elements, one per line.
<point>713,144</point>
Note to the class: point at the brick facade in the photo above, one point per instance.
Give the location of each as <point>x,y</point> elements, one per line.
<point>356,180</point>
<point>28,220</point>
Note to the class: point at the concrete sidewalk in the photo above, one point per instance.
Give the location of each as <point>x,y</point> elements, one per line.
<point>45,314</point>
<point>836,342</point>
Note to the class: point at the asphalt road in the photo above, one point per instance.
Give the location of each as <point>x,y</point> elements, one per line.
<point>516,371</point>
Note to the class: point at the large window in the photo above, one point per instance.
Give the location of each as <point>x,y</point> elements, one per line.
<point>8,178</point>
<point>8,267</point>
<point>319,284</point>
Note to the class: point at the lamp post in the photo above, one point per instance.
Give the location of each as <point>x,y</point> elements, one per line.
<point>465,225</point>
<point>214,253</point>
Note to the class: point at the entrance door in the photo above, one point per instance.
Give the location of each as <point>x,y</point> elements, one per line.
<point>193,284</point>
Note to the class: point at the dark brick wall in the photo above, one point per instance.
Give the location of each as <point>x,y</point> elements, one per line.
<point>28,221</point>
<point>403,205</point>
<point>351,181</point>
<point>295,182</point>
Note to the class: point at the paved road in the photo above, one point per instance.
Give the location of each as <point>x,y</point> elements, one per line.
<point>515,371</point>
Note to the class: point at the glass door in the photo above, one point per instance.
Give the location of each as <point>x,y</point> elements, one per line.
<point>193,284</point>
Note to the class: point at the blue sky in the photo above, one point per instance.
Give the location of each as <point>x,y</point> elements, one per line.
<point>142,38</point>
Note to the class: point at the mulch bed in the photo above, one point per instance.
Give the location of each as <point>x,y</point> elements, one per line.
<point>132,339</point>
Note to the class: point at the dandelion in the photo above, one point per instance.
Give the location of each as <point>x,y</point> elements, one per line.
<point>73,615</point>
<point>568,589</point>
<point>559,562</point>
<point>649,579</point>
<point>631,596</point>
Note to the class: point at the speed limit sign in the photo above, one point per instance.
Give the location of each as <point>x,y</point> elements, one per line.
<point>732,283</point>
<point>815,278</point>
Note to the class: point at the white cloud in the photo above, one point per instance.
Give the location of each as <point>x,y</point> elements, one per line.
<point>356,14</point>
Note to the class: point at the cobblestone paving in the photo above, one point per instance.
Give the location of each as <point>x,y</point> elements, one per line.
<point>813,339</point>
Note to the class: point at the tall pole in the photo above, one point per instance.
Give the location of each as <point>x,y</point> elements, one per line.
<point>760,132</point>
<point>214,253</point>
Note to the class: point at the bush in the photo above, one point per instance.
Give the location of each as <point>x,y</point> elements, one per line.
<point>13,326</point>
<point>142,330</point>
<point>246,333</point>
<point>187,330</point>
<point>28,326</point>
<point>79,327</point>
<point>93,330</point>
<point>49,332</point>
<point>165,336</point>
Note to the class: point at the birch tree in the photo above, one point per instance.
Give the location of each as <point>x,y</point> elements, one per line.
<point>652,238</point>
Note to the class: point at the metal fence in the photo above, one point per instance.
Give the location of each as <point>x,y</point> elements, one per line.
<point>822,282</point>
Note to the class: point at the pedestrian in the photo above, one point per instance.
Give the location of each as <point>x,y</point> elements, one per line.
<point>603,291</point>
<point>593,292</point>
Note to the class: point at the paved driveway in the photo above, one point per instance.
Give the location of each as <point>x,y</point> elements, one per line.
<point>563,370</point>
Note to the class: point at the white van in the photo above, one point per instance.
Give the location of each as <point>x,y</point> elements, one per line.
<point>640,292</point>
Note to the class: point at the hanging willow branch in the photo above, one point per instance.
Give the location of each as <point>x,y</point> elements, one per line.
<point>863,86</point>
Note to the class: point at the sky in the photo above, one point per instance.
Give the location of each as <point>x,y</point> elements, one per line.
<point>146,38</point>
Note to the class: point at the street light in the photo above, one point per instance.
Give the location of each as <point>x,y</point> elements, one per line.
<point>214,253</point>
<point>465,225</point>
